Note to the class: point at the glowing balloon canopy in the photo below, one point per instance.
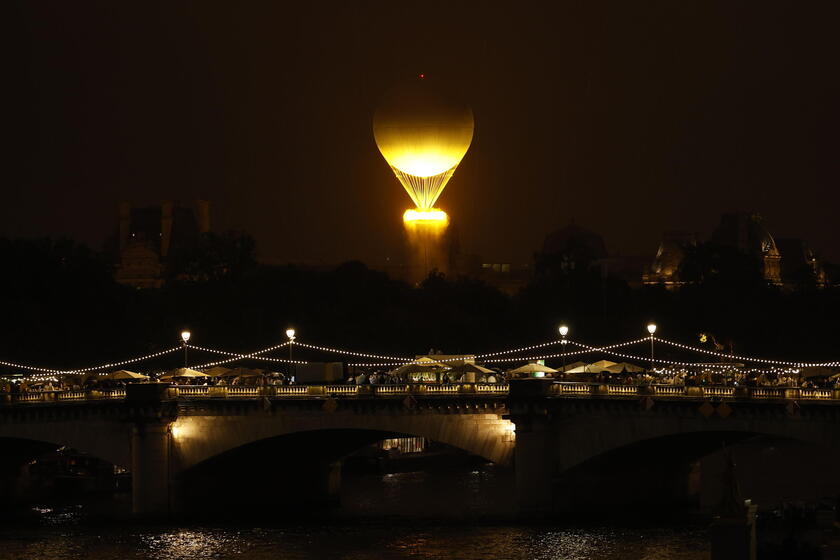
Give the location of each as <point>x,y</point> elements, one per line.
<point>423,136</point>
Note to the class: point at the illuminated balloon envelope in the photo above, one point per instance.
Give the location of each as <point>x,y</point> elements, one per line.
<point>423,137</point>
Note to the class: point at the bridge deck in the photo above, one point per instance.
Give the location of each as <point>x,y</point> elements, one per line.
<point>557,390</point>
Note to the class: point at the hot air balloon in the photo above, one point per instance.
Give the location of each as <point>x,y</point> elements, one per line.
<point>423,136</point>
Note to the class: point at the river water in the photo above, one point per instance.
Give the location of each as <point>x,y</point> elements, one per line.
<point>462,514</point>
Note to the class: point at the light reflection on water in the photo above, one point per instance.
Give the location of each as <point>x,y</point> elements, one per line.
<point>421,515</point>
<point>350,542</point>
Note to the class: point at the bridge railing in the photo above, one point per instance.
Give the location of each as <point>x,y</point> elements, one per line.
<point>720,392</point>
<point>558,389</point>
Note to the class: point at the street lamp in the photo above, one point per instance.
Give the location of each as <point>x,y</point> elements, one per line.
<point>290,332</point>
<point>564,330</point>
<point>651,328</point>
<point>185,338</point>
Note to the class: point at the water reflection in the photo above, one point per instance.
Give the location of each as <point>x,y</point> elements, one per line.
<point>190,544</point>
<point>463,514</point>
<point>349,542</point>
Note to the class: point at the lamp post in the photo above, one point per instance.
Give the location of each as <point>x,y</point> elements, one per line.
<point>290,332</point>
<point>651,328</point>
<point>185,338</point>
<point>564,330</point>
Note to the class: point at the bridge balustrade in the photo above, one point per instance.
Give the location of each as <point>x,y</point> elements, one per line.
<point>622,390</point>
<point>669,390</point>
<point>289,390</point>
<point>572,388</point>
<point>71,395</point>
<point>821,394</point>
<point>390,389</point>
<point>490,388</point>
<point>442,389</point>
<point>560,389</point>
<point>719,391</point>
<point>243,391</point>
<point>767,392</point>
<point>192,391</point>
<point>342,389</point>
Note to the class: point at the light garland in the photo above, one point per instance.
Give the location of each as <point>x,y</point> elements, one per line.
<point>606,350</point>
<point>252,356</point>
<point>464,357</point>
<point>226,353</point>
<point>51,373</point>
<point>589,350</point>
<point>746,358</point>
<point>351,353</point>
<point>489,357</point>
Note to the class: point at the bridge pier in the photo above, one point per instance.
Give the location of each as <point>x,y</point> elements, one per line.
<point>534,471</point>
<point>534,460</point>
<point>151,448</point>
<point>14,482</point>
<point>330,479</point>
<point>150,468</point>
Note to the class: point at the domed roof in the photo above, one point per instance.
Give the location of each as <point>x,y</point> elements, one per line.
<point>671,252</point>
<point>573,238</point>
<point>420,130</point>
<point>746,232</point>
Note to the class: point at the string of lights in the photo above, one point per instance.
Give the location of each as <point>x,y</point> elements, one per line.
<point>745,358</point>
<point>515,350</point>
<point>588,350</point>
<point>257,355</point>
<point>226,353</point>
<point>238,357</point>
<point>351,353</point>
<point>489,357</point>
<point>53,372</point>
<point>408,361</point>
<point>607,350</point>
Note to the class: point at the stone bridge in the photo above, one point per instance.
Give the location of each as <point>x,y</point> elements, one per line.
<point>171,441</point>
<point>563,430</point>
<point>179,442</point>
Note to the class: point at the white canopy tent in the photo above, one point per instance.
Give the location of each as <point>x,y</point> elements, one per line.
<point>125,375</point>
<point>183,373</point>
<point>533,370</point>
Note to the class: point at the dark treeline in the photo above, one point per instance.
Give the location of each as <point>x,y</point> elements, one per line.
<point>61,308</point>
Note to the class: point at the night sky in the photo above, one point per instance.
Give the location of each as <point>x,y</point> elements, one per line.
<point>629,118</point>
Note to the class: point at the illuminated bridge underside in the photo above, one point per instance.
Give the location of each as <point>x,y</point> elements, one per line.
<point>558,427</point>
<point>424,191</point>
<point>481,432</point>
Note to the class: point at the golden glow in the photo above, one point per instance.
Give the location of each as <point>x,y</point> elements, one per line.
<point>185,336</point>
<point>431,215</point>
<point>651,328</point>
<point>508,431</point>
<point>423,136</point>
<point>184,428</point>
<point>423,141</point>
<point>423,162</point>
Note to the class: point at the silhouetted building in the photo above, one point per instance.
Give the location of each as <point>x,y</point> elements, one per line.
<point>505,277</point>
<point>745,231</point>
<point>576,244</point>
<point>149,236</point>
<point>573,249</point>
<point>800,265</point>
<point>788,263</point>
<point>669,256</point>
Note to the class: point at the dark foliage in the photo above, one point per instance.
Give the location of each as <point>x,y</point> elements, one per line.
<point>61,308</point>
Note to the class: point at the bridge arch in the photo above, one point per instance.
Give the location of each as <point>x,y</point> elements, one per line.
<point>109,441</point>
<point>199,438</point>
<point>577,445</point>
